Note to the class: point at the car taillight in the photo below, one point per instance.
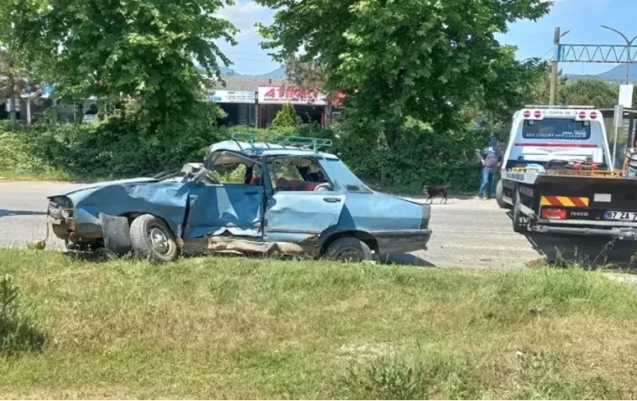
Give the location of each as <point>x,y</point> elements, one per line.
<point>527,114</point>
<point>553,213</point>
<point>426,215</point>
<point>593,115</point>
<point>582,115</point>
<point>537,114</point>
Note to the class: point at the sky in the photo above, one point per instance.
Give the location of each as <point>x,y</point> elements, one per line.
<point>583,18</point>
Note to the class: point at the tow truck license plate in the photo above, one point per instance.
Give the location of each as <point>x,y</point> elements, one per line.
<point>625,216</point>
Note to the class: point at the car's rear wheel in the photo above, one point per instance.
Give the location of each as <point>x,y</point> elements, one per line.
<point>152,239</point>
<point>348,249</point>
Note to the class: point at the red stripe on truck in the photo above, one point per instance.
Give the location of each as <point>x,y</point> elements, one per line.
<point>558,145</point>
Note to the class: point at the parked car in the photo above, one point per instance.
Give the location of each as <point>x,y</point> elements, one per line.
<point>286,198</point>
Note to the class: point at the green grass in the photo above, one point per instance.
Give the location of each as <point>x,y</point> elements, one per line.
<point>248,328</point>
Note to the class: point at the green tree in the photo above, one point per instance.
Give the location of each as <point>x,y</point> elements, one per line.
<point>513,85</point>
<point>14,74</point>
<point>593,92</point>
<point>304,74</point>
<point>393,60</point>
<point>144,50</point>
<point>286,117</point>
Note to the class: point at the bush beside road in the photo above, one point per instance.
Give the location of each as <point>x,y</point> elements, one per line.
<point>244,328</point>
<point>112,149</point>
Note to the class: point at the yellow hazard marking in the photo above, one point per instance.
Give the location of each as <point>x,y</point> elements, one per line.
<point>564,201</point>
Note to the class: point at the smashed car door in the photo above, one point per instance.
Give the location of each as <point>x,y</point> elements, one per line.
<point>295,213</point>
<point>227,200</point>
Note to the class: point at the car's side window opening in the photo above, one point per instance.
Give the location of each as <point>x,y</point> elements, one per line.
<point>239,173</point>
<point>228,174</point>
<point>297,174</point>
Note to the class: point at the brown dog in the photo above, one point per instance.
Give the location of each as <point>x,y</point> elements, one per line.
<point>436,190</point>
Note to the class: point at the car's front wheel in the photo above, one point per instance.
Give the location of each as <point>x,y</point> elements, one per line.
<point>348,249</point>
<point>152,239</point>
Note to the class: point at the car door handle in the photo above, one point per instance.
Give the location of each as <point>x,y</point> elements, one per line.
<point>332,199</point>
<point>252,193</point>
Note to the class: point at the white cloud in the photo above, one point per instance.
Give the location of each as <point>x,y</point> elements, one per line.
<point>244,14</point>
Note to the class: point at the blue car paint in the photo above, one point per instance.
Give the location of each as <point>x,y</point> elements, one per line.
<point>237,208</point>
<point>290,216</point>
<point>295,216</point>
<point>379,212</point>
<point>165,199</point>
<point>86,188</point>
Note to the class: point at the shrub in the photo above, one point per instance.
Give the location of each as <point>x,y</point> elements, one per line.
<point>18,333</point>
<point>286,117</point>
<point>126,147</point>
<point>419,156</point>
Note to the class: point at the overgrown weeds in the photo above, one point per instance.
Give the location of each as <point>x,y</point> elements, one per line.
<point>260,328</point>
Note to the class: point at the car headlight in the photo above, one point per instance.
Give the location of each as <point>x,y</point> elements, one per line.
<point>60,207</point>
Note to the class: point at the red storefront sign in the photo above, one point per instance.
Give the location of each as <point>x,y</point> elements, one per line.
<point>290,94</point>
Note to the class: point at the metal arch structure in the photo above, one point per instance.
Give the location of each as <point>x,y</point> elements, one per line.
<point>611,54</point>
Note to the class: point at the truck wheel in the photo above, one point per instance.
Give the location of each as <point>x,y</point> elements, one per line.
<point>499,194</point>
<point>152,239</point>
<point>518,218</point>
<point>348,249</point>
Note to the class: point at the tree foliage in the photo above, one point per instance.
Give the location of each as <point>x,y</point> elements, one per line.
<point>304,74</point>
<point>136,49</point>
<point>15,73</point>
<point>399,59</point>
<point>286,117</point>
<point>593,92</point>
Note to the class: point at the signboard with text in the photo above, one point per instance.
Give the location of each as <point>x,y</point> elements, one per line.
<point>226,96</point>
<point>290,94</point>
<point>8,105</point>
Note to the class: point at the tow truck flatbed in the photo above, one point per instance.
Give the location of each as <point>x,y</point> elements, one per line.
<point>589,202</point>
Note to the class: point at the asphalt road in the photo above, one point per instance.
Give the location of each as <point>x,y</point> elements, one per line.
<point>467,232</point>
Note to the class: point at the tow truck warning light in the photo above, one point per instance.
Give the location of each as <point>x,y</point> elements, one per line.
<point>569,113</point>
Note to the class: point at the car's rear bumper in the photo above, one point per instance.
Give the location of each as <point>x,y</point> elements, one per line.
<point>403,241</point>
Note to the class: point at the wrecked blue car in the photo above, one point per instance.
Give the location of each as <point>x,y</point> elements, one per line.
<point>286,198</point>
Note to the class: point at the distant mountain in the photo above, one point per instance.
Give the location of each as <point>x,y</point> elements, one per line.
<point>278,73</point>
<point>616,74</point>
<point>227,71</point>
<point>619,73</point>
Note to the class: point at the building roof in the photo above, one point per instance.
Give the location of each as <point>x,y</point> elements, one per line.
<point>246,83</point>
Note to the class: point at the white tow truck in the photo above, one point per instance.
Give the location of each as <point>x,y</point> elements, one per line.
<point>558,177</point>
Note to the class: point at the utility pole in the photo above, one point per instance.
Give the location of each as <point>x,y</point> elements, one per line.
<point>553,88</point>
<point>556,56</point>
<point>629,43</point>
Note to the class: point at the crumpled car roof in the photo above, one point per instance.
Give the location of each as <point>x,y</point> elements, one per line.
<point>266,149</point>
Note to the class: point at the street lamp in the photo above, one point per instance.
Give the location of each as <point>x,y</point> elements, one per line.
<point>629,43</point>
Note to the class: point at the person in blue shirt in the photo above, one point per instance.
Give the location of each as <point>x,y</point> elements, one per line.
<point>490,164</point>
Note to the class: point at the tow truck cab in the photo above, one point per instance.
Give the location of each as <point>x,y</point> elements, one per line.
<point>558,175</point>
<point>540,134</point>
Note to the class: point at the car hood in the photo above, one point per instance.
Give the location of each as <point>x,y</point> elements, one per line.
<point>95,185</point>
